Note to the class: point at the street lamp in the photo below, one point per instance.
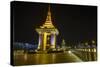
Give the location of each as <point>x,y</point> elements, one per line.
<point>93,49</point>
<point>93,45</point>
<point>93,41</point>
<point>86,44</point>
<point>87,50</point>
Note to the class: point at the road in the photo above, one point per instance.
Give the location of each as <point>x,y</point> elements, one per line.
<point>31,59</point>
<point>86,55</point>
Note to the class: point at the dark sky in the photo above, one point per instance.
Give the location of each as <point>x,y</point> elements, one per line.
<point>75,23</point>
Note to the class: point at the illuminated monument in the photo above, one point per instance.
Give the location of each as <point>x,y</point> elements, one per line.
<point>47,34</point>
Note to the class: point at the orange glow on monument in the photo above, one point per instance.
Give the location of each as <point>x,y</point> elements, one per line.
<point>47,34</point>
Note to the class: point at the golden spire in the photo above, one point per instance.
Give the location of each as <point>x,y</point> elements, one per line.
<point>48,22</point>
<point>48,15</point>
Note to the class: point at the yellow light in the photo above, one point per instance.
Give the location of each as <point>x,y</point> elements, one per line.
<point>45,39</point>
<point>93,41</point>
<point>69,51</point>
<point>89,50</point>
<point>94,50</point>
<point>86,43</point>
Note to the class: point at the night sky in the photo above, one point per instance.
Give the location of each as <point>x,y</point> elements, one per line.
<point>75,23</point>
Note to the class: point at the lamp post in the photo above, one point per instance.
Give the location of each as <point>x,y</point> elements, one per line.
<point>94,46</point>
<point>86,51</point>
<point>93,49</point>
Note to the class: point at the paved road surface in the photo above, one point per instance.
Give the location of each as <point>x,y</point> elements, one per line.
<point>31,59</point>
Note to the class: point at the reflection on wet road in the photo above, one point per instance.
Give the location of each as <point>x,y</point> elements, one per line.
<point>31,59</point>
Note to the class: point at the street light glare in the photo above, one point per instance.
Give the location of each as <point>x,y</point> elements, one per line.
<point>93,41</point>
<point>69,51</point>
<point>86,43</point>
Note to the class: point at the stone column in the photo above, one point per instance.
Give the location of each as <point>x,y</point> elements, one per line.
<point>44,41</point>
